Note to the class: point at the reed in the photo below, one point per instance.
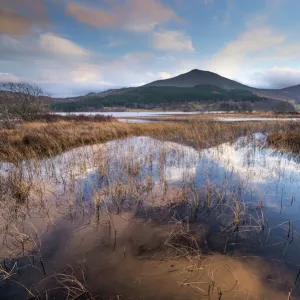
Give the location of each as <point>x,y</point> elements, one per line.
<point>286,140</point>
<point>37,139</point>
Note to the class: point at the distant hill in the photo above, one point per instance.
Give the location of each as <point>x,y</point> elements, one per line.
<point>156,96</point>
<point>291,94</point>
<point>198,77</point>
<point>103,93</point>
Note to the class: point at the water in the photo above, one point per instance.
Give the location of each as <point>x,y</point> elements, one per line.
<point>137,117</point>
<point>243,119</point>
<point>242,196</point>
<point>133,117</point>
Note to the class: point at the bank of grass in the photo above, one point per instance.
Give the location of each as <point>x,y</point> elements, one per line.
<point>286,140</point>
<point>211,116</point>
<point>38,139</point>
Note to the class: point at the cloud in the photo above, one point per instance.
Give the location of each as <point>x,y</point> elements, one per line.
<point>60,46</point>
<point>64,68</point>
<point>91,16</point>
<point>145,15</point>
<point>289,51</point>
<point>172,40</point>
<point>164,75</point>
<point>7,77</point>
<point>231,58</point>
<point>17,17</point>
<point>52,61</point>
<point>12,23</point>
<point>40,47</point>
<point>133,15</point>
<point>277,77</point>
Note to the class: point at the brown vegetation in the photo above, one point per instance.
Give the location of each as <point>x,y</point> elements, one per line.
<point>37,139</point>
<point>212,116</point>
<point>286,140</point>
<point>21,101</point>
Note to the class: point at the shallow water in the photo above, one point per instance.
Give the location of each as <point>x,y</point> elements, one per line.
<point>242,198</point>
<point>243,119</point>
<point>133,117</point>
<point>129,114</point>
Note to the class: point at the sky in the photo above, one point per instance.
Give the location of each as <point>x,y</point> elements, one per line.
<point>73,47</point>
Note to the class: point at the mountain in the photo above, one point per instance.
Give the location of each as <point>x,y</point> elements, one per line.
<point>291,94</point>
<point>149,97</point>
<point>103,93</point>
<point>198,77</point>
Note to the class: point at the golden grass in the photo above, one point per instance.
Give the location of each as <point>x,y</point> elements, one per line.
<point>213,116</point>
<point>285,140</point>
<point>47,139</point>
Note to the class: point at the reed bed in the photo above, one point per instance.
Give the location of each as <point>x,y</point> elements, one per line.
<point>286,140</point>
<point>38,139</point>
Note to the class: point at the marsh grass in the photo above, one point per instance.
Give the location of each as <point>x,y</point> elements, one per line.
<point>38,139</point>
<point>286,140</point>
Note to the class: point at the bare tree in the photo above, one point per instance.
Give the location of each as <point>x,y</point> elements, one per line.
<point>21,101</point>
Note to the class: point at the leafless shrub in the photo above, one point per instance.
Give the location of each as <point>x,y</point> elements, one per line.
<point>20,101</point>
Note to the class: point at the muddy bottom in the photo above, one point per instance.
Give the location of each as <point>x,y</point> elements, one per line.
<point>124,257</point>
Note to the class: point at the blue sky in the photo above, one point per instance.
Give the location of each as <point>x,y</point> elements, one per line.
<point>72,47</point>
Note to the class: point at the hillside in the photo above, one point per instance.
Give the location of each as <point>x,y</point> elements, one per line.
<point>152,96</point>
<point>198,77</point>
<point>292,92</point>
<point>105,93</point>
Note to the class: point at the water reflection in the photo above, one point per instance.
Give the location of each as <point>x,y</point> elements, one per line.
<point>244,191</point>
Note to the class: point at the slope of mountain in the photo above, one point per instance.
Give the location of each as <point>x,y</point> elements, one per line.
<point>291,94</point>
<point>153,96</point>
<point>198,77</point>
<point>103,93</point>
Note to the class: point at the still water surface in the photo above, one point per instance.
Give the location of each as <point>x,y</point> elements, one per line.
<point>245,176</point>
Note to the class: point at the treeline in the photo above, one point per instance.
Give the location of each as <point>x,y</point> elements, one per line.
<point>150,97</point>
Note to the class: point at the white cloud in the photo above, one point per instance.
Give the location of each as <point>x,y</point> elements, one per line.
<point>276,77</point>
<point>232,57</point>
<point>288,51</point>
<point>61,46</point>
<point>74,73</point>
<point>56,63</point>
<point>40,47</point>
<point>164,75</point>
<point>172,40</point>
<point>7,77</point>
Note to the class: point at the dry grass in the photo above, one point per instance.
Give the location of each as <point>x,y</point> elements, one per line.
<point>212,116</point>
<point>286,140</point>
<point>47,139</point>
